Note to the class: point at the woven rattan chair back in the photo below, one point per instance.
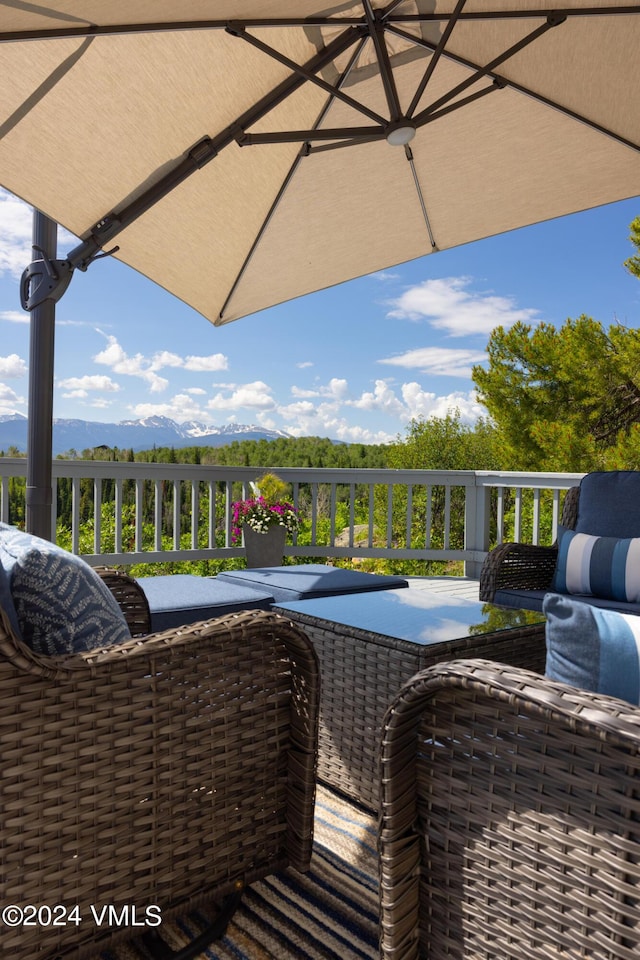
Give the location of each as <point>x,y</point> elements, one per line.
<point>510,826</point>
<point>164,772</point>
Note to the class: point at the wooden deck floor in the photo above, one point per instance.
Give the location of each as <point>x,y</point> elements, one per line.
<point>453,586</point>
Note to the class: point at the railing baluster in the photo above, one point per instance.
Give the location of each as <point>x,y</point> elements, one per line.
<point>447,517</point>
<point>517,523</point>
<point>332,531</point>
<point>555,517</point>
<point>4,502</point>
<point>97,515</point>
<point>177,489</point>
<point>500,516</point>
<point>536,517</point>
<point>195,508</point>
<point>139,509</point>
<point>117,539</point>
<point>371,533</point>
<point>211,537</point>
<point>352,512</point>
<point>75,515</point>
<point>157,514</point>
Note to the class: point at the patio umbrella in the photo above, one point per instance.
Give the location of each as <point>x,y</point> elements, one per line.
<point>242,153</point>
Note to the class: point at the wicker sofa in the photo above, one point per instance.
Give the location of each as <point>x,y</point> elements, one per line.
<point>510,819</point>
<point>170,770</point>
<point>606,504</point>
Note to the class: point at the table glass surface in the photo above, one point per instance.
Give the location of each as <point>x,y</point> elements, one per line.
<point>419,616</point>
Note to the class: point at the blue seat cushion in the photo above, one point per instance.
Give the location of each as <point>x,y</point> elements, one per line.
<point>181,598</point>
<point>534,599</point>
<point>609,504</point>
<point>591,648</point>
<point>305,581</point>
<point>55,602</point>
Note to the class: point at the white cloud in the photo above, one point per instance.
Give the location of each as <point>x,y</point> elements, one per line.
<point>253,396</point>
<point>16,235</point>
<point>420,403</point>
<point>15,239</point>
<point>80,387</point>
<point>166,359</point>
<point>448,305</point>
<point>438,361</point>
<point>146,368</point>
<point>304,364</point>
<point>181,407</point>
<point>120,362</point>
<point>12,367</point>
<point>10,401</point>
<point>385,275</point>
<point>302,393</point>
<point>337,388</point>
<point>215,361</point>
<point>14,316</point>
<point>381,399</point>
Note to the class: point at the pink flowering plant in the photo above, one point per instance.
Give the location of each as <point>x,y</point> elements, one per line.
<point>266,508</point>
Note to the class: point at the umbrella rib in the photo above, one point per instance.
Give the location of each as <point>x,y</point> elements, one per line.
<point>173,26</point>
<point>437,53</point>
<point>199,155</point>
<point>376,32</point>
<point>489,68</point>
<point>119,29</point>
<point>307,74</point>
<point>303,152</point>
<point>502,81</point>
<point>518,14</point>
<point>301,136</point>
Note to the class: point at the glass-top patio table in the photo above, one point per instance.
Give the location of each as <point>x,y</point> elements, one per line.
<point>370,644</point>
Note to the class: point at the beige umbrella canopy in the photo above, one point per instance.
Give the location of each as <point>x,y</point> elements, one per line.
<point>250,152</point>
<point>244,152</point>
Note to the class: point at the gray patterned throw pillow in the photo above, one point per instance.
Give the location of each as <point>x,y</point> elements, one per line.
<point>61,604</point>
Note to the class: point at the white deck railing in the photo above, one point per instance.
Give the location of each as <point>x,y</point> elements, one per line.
<point>145,512</point>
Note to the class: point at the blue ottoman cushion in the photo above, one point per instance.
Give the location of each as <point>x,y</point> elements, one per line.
<point>305,581</point>
<point>181,598</point>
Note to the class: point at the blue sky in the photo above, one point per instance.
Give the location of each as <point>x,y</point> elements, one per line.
<point>356,362</point>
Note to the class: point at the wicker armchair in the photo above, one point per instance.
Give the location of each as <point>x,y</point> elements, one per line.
<point>510,821</point>
<point>131,599</point>
<point>522,566</point>
<point>169,771</point>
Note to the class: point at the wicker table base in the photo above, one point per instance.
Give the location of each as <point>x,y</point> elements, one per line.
<point>362,669</point>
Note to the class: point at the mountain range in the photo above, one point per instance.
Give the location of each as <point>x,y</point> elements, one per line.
<point>142,434</point>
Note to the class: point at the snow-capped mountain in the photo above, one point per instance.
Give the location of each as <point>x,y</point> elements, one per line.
<point>142,434</point>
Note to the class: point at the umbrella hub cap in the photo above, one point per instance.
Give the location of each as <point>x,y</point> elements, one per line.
<point>400,133</point>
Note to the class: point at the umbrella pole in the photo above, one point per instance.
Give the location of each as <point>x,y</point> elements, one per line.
<point>40,422</point>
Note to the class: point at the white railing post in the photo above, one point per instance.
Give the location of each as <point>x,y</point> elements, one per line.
<point>476,528</point>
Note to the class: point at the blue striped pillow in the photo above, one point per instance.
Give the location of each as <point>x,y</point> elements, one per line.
<point>592,648</point>
<point>598,566</point>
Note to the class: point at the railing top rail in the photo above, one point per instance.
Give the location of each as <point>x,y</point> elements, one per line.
<point>16,466</point>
